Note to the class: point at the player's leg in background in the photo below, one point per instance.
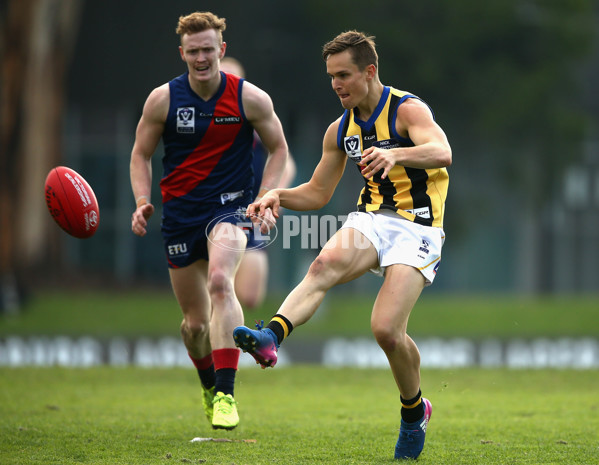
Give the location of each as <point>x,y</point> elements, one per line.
<point>252,278</point>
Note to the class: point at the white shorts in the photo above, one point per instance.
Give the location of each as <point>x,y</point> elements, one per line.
<point>400,241</point>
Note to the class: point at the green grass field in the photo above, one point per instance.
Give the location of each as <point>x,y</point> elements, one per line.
<point>155,313</point>
<point>297,415</point>
<point>301,414</point>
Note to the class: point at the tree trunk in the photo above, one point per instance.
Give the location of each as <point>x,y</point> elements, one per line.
<point>38,39</point>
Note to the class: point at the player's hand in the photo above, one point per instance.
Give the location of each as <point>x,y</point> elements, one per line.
<point>375,159</point>
<point>264,211</point>
<point>267,221</point>
<point>140,217</point>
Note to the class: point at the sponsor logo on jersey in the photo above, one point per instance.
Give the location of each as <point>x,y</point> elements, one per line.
<point>177,250</point>
<point>387,144</point>
<point>186,120</point>
<point>230,196</point>
<point>227,119</point>
<point>423,212</point>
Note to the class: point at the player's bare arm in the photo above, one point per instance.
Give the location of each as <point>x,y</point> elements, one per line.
<point>431,149</point>
<point>260,112</point>
<point>315,193</point>
<point>148,133</point>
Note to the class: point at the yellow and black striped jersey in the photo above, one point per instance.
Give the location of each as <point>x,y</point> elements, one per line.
<point>416,194</point>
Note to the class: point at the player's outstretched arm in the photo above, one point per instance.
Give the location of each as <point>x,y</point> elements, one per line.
<point>313,194</point>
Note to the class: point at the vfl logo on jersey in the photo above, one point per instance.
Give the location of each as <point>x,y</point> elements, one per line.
<point>186,120</point>
<point>227,120</point>
<point>351,145</point>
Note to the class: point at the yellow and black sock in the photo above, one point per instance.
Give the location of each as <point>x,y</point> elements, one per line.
<point>412,410</point>
<point>281,326</point>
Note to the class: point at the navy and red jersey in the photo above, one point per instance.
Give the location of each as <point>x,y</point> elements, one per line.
<point>207,152</point>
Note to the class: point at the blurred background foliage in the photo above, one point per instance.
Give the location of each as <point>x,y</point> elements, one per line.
<point>510,81</point>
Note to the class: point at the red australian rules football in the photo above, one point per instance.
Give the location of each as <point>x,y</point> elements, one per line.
<point>72,202</point>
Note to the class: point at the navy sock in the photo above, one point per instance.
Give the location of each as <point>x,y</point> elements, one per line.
<point>205,367</point>
<point>207,377</point>
<point>225,381</point>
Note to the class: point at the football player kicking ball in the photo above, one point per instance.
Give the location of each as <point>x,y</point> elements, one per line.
<point>402,153</point>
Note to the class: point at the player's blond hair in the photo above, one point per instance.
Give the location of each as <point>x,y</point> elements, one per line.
<point>361,46</point>
<point>201,21</point>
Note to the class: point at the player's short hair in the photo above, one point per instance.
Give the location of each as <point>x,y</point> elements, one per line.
<point>361,46</point>
<point>201,21</point>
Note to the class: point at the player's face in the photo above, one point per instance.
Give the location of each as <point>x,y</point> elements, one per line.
<point>348,82</point>
<point>202,52</point>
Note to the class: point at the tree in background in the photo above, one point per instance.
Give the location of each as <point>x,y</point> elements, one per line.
<point>37,38</point>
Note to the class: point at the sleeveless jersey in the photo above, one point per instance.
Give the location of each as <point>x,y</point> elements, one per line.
<point>207,152</point>
<point>416,194</point>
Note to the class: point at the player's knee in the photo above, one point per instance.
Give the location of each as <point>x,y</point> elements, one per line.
<point>194,329</point>
<point>219,284</point>
<point>324,268</point>
<point>387,337</point>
